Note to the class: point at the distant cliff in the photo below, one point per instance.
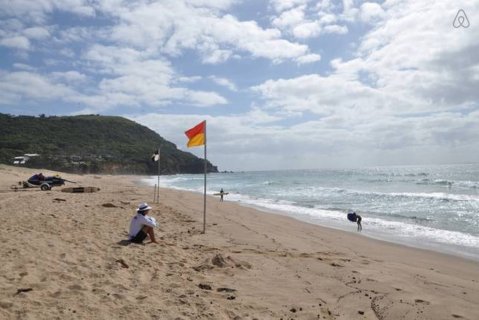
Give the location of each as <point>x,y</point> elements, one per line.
<point>91,144</point>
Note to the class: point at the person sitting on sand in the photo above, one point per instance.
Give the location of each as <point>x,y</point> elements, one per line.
<point>142,225</point>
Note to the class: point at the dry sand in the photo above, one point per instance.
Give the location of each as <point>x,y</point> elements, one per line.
<point>64,256</point>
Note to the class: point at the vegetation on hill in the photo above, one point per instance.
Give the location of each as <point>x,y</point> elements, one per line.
<point>91,144</point>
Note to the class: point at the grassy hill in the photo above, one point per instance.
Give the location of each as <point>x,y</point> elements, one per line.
<point>91,144</point>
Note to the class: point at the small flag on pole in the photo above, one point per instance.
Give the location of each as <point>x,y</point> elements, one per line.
<point>156,156</point>
<point>196,135</point>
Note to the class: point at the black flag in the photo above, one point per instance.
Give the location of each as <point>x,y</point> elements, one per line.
<point>156,156</point>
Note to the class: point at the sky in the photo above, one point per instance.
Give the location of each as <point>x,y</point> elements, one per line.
<point>282,84</point>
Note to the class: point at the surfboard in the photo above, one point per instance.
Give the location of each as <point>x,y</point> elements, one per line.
<point>219,194</point>
<point>81,189</point>
<point>353,217</point>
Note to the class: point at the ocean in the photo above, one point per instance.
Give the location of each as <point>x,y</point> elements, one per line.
<point>430,207</point>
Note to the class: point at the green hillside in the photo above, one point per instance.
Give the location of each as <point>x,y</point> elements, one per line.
<point>91,144</point>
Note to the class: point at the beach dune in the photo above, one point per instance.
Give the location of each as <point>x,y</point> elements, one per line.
<point>65,256</point>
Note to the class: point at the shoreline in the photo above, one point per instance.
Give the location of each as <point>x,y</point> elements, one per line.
<point>361,235</point>
<point>342,243</point>
<point>454,250</point>
<point>410,243</point>
<point>73,262</point>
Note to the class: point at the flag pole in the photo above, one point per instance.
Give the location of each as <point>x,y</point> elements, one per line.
<point>204,193</point>
<point>158,190</point>
<point>197,137</point>
<point>154,194</point>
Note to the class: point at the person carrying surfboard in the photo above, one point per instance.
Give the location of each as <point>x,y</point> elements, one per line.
<point>141,225</point>
<point>221,194</point>
<point>354,217</point>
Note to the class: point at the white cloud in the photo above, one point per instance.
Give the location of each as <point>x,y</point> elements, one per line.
<point>36,33</point>
<point>69,76</point>
<point>216,56</point>
<point>309,58</point>
<point>281,5</point>
<point>324,95</point>
<point>310,20</point>
<point>334,28</point>
<point>234,142</point>
<point>290,18</point>
<point>370,11</point>
<point>30,10</point>
<point>173,27</point>
<point>27,85</point>
<point>307,30</point>
<point>248,36</point>
<point>79,7</point>
<point>411,89</point>
<point>130,78</point>
<point>423,58</point>
<point>255,141</point>
<point>204,98</point>
<point>224,82</point>
<point>213,4</point>
<point>189,79</point>
<point>169,28</point>
<point>24,67</point>
<point>258,116</point>
<point>325,5</point>
<point>10,25</point>
<point>134,78</point>
<point>402,67</point>
<point>76,34</point>
<point>350,11</point>
<point>16,42</point>
<point>37,11</point>
<point>327,18</point>
<point>108,58</point>
<point>67,52</point>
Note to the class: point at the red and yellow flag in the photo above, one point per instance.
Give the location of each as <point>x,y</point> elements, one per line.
<point>196,135</point>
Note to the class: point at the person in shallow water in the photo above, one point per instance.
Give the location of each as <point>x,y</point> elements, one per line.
<point>354,217</point>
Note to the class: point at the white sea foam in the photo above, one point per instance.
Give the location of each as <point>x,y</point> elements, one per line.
<point>398,209</point>
<point>398,229</point>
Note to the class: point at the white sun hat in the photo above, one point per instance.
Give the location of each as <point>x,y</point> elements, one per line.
<point>143,207</point>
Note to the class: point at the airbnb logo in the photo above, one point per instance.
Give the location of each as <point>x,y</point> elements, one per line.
<point>461,20</point>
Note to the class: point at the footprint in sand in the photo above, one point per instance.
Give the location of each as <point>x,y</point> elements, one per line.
<point>109,205</point>
<point>422,301</point>
<point>6,304</point>
<point>76,287</point>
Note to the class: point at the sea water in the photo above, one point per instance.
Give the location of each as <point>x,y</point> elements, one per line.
<point>432,207</point>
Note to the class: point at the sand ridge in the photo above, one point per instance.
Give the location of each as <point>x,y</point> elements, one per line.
<point>65,256</point>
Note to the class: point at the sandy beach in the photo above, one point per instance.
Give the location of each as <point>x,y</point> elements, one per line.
<point>65,256</point>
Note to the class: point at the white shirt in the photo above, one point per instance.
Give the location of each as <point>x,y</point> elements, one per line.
<point>137,223</point>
